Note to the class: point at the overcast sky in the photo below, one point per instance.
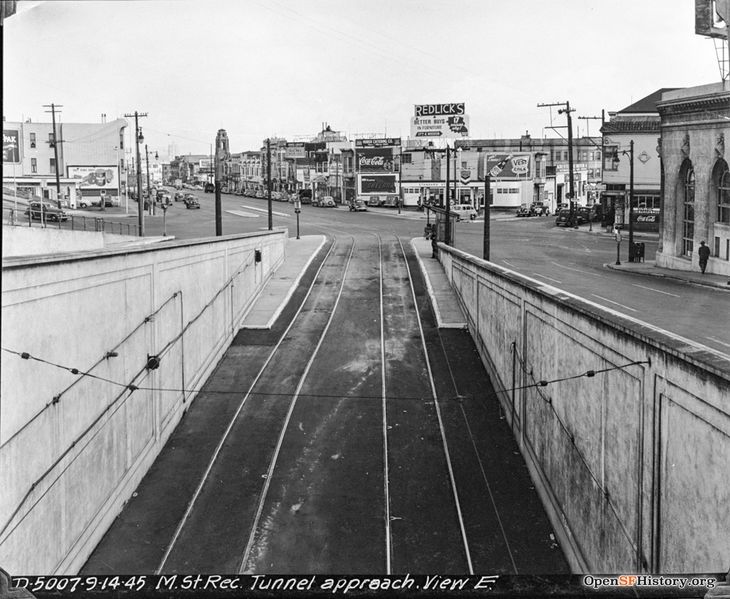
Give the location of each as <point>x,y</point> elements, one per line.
<point>261,68</point>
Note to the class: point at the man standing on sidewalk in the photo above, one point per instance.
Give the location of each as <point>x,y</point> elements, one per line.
<point>704,254</point>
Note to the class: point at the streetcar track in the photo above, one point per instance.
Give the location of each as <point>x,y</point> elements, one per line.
<point>388,532</point>
<point>232,422</point>
<point>444,441</point>
<point>292,405</point>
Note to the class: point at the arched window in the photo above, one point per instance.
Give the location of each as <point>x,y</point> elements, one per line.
<point>723,192</point>
<point>688,221</point>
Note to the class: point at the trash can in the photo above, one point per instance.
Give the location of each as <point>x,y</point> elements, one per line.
<point>638,252</point>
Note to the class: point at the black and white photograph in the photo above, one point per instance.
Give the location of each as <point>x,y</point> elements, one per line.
<point>365,297</point>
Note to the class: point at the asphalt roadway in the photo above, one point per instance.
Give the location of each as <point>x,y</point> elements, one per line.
<point>354,436</point>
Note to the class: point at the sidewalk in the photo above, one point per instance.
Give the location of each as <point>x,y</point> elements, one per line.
<point>283,283</point>
<point>649,268</point>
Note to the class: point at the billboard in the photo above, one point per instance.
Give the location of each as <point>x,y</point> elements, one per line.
<point>377,142</point>
<point>295,150</point>
<point>377,184</point>
<point>440,126</point>
<point>451,109</point>
<point>374,160</point>
<point>11,147</point>
<point>95,177</point>
<point>509,166</point>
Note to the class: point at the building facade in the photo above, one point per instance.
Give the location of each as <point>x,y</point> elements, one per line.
<point>90,156</point>
<point>695,127</point>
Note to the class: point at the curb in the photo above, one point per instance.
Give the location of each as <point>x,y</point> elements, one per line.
<point>670,275</point>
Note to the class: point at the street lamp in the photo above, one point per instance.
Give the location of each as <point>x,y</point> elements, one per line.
<point>630,154</point>
<point>140,199</point>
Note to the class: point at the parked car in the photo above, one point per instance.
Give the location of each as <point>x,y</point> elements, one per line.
<point>191,202</point>
<point>209,187</point>
<point>563,217</point>
<point>524,210</point>
<point>179,196</point>
<point>390,201</point>
<point>540,209</point>
<point>260,194</point>
<point>45,211</point>
<point>591,213</point>
<point>463,211</point>
<point>88,202</point>
<point>327,202</point>
<point>374,201</point>
<point>358,205</point>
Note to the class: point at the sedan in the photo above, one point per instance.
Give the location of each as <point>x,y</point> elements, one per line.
<point>192,203</point>
<point>44,211</point>
<point>327,202</point>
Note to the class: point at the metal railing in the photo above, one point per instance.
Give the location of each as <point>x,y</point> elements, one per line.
<point>23,218</point>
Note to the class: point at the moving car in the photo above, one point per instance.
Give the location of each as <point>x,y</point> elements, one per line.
<point>463,211</point>
<point>45,211</point>
<point>192,202</point>
<point>358,205</point>
<point>179,196</point>
<point>209,187</point>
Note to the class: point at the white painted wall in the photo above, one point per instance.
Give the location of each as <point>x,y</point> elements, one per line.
<point>67,467</point>
<point>656,436</point>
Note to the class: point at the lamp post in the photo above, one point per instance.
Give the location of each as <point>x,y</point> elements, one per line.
<point>630,154</point>
<point>139,138</point>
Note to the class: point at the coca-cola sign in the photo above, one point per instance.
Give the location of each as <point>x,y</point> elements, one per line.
<point>377,184</point>
<point>374,160</point>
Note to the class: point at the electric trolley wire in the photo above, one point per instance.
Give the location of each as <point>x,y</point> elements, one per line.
<point>486,395</point>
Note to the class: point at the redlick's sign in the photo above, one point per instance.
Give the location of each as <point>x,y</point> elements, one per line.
<point>374,160</point>
<point>377,184</point>
<point>439,109</point>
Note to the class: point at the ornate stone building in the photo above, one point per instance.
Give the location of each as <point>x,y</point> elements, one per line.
<point>695,127</point>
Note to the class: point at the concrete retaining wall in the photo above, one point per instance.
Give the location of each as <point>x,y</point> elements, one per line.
<point>72,448</point>
<point>633,463</point>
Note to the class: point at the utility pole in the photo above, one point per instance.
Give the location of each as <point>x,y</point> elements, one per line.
<point>56,141</point>
<point>149,189</point>
<point>487,198</point>
<point>447,225</point>
<point>268,182</point>
<point>138,139</point>
<point>567,110</point>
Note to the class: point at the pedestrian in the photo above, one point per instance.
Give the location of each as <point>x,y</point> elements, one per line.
<point>704,254</point>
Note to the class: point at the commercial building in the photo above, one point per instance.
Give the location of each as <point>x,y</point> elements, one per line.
<point>695,123</point>
<point>90,161</point>
<point>638,123</point>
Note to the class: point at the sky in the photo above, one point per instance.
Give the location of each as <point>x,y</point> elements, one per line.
<point>264,68</point>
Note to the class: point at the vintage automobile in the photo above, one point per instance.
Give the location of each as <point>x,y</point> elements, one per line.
<point>191,202</point>
<point>540,209</point>
<point>358,205</point>
<point>463,211</point>
<point>390,201</point>
<point>44,211</point>
<point>327,202</point>
<point>524,210</point>
<point>375,201</point>
<point>563,217</point>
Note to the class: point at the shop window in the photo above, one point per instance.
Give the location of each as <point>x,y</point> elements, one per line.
<point>406,158</point>
<point>723,193</point>
<point>32,140</point>
<point>33,165</point>
<point>688,222</point>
